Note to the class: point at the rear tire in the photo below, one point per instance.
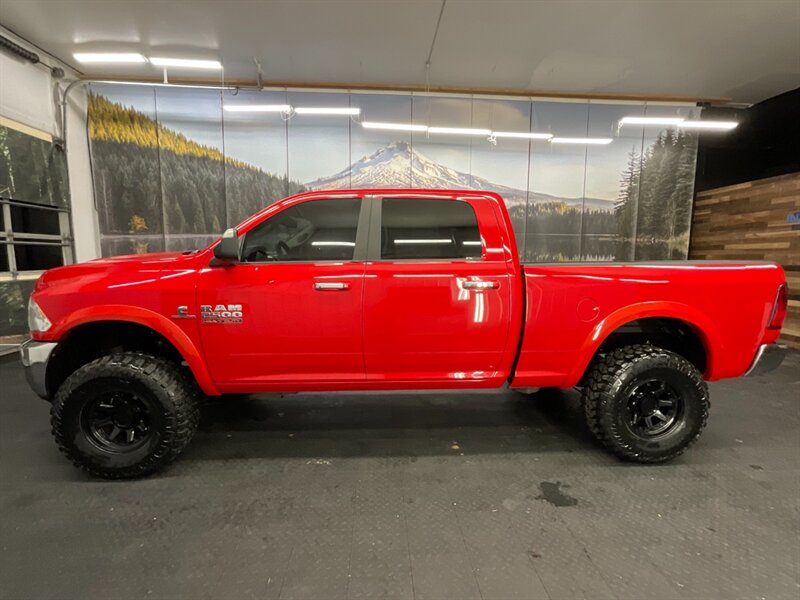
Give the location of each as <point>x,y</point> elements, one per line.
<point>124,415</point>
<point>644,403</point>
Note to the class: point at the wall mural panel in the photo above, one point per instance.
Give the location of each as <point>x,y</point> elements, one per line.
<point>174,167</point>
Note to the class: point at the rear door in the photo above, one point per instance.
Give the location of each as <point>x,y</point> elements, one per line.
<point>437,291</point>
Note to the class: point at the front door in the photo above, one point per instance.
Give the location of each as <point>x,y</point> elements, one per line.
<point>290,311</point>
<point>436,303</point>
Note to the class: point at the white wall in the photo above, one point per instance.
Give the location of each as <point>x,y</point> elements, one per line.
<point>27,95</point>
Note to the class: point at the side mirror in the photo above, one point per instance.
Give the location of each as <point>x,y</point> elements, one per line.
<point>227,251</point>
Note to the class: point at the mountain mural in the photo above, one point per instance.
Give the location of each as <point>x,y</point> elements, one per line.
<point>398,165</point>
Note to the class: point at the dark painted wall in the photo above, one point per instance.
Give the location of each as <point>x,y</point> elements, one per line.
<point>766,143</point>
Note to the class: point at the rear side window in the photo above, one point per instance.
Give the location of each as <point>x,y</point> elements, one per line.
<point>428,229</point>
<point>318,230</point>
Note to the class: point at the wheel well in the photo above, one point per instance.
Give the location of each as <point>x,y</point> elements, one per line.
<point>90,341</point>
<point>671,334</point>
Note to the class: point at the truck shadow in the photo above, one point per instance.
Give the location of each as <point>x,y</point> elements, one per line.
<point>322,426</point>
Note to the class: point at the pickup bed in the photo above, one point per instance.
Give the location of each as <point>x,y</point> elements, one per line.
<point>386,290</point>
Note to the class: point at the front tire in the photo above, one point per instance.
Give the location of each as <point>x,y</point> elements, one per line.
<point>644,403</point>
<point>124,415</point>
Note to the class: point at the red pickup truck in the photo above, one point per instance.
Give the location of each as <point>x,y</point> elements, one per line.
<point>386,290</point>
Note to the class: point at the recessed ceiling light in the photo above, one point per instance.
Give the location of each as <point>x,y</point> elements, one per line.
<point>312,110</point>
<point>459,131</point>
<point>522,134</point>
<point>571,140</point>
<point>393,126</point>
<point>257,107</point>
<point>651,121</point>
<point>720,125</point>
<point>109,57</point>
<point>188,63</point>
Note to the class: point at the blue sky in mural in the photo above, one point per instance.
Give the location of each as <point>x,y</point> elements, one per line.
<point>313,147</point>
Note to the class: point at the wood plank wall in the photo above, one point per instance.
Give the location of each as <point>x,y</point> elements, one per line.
<point>757,220</point>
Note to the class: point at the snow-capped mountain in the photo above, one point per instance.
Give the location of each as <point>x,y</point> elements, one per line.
<point>397,165</point>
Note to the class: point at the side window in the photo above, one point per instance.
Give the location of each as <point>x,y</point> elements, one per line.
<point>428,229</point>
<point>318,230</point>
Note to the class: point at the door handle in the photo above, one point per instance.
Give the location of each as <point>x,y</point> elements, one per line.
<point>331,286</point>
<point>480,285</point>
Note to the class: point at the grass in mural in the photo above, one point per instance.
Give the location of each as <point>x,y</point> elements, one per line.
<point>137,162</point>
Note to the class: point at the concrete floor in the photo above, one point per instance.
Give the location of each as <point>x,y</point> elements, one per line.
<point>411,496</point>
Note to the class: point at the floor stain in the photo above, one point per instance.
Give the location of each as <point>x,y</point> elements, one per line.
<point>552,493</point>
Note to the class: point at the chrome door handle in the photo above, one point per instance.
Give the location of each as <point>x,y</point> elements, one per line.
<point>332,286</point>
<point>481,285</point>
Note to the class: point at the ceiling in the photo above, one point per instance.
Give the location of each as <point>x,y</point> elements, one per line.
<point>745,50</point>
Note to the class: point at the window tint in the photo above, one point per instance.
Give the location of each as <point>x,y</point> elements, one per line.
<point>318,230</point>
<point>428,229</point>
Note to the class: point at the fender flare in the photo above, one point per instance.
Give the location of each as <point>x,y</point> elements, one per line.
<point>150,319</point>
<point>702,325</point>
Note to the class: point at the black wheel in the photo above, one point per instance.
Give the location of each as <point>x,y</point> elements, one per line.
<point>645,404</point>
<point>124,415</point>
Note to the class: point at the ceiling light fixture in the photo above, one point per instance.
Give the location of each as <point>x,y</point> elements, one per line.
<point>571,140</point>
<point>718,125</point>
<point>172,85</point>
<point>109,57</point>
<point>522,134</point>
<point>651,121</point>
<point>459,131</point>
<point>393,126</point>
<point>187,63</point>
<point>283,108</point>
<point>311,110</point>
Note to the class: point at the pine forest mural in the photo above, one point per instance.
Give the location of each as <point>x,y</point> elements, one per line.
<point>172,169</point>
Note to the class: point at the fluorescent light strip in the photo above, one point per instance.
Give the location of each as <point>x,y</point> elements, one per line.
<point>431,241</point>
<point>719,125</point>
<point>109,57</point>
<point>522,134</point>
<point>285,108</point>
<point>188,63</point>
<point>310,110</point>
<point>571,140</point>
<point>393,126</point>
<point>651,120</point>
<point>459,131</point>
<point>171,85</point>
<point>471,243</point>
<point>322,243</point>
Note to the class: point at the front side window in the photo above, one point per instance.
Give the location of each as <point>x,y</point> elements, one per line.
<point>318,230</point>
<point>424,229</point>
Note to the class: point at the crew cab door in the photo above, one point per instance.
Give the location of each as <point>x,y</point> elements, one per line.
<point>299,285</point>
<point>437,291</point>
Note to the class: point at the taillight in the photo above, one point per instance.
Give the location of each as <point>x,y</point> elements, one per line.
<point>779,307</point>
